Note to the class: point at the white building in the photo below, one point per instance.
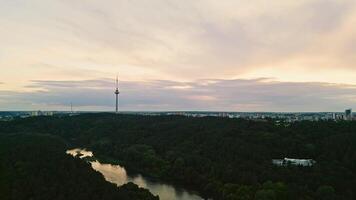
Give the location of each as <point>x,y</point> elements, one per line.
<point>292,161</point>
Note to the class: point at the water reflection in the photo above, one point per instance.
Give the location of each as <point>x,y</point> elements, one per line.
<point>81,152</point>
<point>117,174</point>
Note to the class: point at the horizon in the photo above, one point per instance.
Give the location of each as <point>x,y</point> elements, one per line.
<point>231,56</point>
<point>178,111</point>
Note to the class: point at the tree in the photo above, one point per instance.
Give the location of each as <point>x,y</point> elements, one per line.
<point>326,192</point>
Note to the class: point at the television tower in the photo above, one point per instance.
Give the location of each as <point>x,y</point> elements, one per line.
<point>117,94</point>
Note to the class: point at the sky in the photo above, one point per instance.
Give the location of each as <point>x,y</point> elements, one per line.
<point>231,55</point>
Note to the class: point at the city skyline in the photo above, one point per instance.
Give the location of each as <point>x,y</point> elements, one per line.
<point>289,56</point>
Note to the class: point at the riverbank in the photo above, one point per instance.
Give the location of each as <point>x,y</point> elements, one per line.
<point>134,171</point>
<point>117,174</point>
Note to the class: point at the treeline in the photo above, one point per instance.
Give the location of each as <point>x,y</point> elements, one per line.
<point>220,157</point>
<point>35,167</point>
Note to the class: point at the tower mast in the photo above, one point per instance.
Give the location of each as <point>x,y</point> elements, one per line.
<point>117,94</point>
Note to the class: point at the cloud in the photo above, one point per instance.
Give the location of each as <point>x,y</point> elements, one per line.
<point>212,51</point>
<point>183,41</point>
<point>208,94</point>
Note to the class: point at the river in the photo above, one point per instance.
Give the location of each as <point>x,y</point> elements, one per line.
<point>117,174</point>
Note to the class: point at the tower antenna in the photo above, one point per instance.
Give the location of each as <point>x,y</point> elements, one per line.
<point>117,94</point>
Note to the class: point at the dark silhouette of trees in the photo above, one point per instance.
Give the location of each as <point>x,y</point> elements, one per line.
<point>35,167</point>
<point>219,157</point>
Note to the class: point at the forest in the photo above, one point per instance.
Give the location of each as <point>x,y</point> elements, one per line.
<point>35,167</point>
<point>221,158</point>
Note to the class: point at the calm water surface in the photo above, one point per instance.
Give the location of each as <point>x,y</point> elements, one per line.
<point>117,174</point>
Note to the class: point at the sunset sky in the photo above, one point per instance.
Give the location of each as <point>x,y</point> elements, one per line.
<point>230,55</point>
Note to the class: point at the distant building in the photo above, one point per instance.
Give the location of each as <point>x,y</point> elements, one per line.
<point>41,113</point>
<point>348,114</point>
<point>296,162</point>
<point>48,113</point>
<point>334,116</point>
<point>36,113</point>
<point>223,114</point>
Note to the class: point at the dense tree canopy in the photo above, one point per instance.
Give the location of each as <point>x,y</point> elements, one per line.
<point>35,167</point>
<point>220,157</point>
